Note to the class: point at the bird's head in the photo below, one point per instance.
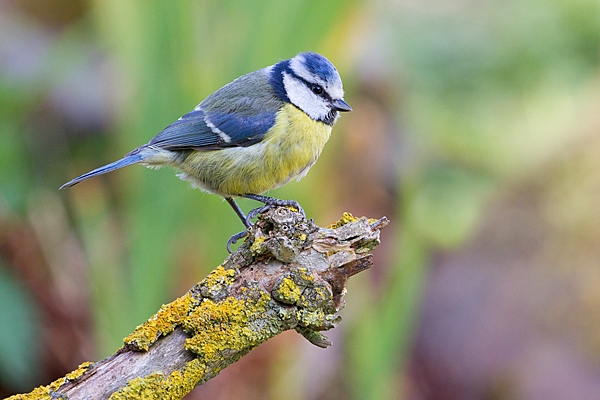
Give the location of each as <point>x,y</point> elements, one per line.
<point>312,83</point>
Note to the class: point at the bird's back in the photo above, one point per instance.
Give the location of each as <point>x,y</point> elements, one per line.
<point>235,97</point>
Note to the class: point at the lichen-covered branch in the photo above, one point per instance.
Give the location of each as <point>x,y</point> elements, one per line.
<point>288,274</point>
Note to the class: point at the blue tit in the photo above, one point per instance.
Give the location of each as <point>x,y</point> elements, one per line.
<point>254,134</point>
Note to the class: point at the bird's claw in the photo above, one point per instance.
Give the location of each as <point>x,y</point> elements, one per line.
<point>234,239</point>
<point>269,202</point>
<point>274,203</point>
<point>295,204</point>
<point>254,213</point>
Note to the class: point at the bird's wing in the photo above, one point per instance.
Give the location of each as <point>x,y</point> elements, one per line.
<point>208,131</point>
<point>189,131</point>
<point>239,114</point>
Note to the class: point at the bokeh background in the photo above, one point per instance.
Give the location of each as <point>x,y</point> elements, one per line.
<point>476,130</point>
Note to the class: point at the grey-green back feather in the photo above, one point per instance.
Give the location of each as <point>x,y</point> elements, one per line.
<point>249,94</point>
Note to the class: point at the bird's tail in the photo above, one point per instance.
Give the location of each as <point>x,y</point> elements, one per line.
<point>123,162</point>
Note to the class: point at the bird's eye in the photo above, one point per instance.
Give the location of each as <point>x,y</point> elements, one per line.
<point>317,89</point>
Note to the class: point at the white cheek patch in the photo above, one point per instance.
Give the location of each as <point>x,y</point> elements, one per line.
<point>302,97</point>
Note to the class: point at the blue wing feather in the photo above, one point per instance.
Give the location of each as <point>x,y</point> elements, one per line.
<point>192,132</point>
<point>243,130</point>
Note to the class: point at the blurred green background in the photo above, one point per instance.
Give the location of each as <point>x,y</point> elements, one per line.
<point>476,130</point>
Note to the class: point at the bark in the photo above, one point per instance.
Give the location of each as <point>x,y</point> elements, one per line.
<point>288,274</point>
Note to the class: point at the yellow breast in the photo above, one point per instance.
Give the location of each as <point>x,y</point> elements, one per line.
<point>288,150</point>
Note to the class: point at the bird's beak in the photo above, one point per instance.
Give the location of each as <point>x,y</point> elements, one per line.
<point>341,105</point>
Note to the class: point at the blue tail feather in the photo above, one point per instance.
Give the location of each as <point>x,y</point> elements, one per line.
<point>123,162</point>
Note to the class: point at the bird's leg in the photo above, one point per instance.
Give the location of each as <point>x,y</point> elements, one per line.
<point>238,211</point>
<point>245,221</point>
<point>270,202</point>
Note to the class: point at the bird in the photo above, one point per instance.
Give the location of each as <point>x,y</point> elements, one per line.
<point>254,134</point>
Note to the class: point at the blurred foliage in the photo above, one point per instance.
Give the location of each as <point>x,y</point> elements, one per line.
<point>492,93</point>
<point>455,103</point>
<point>19,334</point>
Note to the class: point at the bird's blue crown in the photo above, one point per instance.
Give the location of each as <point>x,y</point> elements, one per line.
<point>320,66</point>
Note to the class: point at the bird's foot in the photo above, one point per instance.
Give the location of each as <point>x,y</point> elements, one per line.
<point>271,202</point>
<point>234,239</point>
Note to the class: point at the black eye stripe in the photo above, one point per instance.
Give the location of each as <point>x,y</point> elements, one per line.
<point>309,85</point>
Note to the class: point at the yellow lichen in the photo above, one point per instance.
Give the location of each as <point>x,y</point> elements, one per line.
<point>304,275</point>
<point>171,315</point>
<point>41,392</point>
<point>82,369</point>
<point>308,317</point>
<point>315,297</point>
<point>162,323</point>
<point>288,291</point>
<point>227,325</point>
<point>159,386</point>
<point>219,277</point>
<point>256,247</point>
<point>346,219</point>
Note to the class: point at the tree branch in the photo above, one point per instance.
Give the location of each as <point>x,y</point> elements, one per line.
<point>288,274</point>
